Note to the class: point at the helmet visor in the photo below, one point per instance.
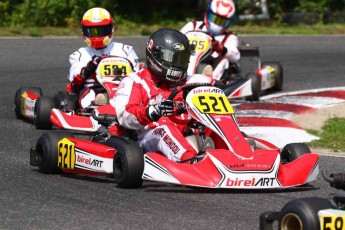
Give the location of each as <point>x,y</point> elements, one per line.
<point>174,59</point>
<point>218,20</point>
<point>97,31</point>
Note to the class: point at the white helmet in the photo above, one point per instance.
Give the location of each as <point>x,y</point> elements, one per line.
<point>219,15</point>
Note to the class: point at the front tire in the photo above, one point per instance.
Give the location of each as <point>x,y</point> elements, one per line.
<point>256,86</point>
<point>43,107</point>
<point>47,148</point>
<point>302,213</point>
<point>18,98</point>
<point>128,164</point>
<point>292,151</point>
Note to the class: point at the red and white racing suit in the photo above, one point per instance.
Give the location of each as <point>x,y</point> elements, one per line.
<point>80,59</point>
<point>227,40</point>
<point>135,94</point>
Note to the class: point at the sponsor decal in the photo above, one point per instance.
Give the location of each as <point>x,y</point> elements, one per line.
<point>159,132</point>
<point>262,182</point>
<point>179,46</point>
<point>252,165</point>
<point>171,144</point>
<point>174,73</point>
<point>89,161</point>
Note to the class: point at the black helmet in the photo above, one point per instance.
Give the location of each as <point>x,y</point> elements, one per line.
<point>167,56</point>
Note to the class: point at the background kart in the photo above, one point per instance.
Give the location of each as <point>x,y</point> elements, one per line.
<point>311,212</point>
<point>253,78</point>
<point>226,159</point>
<point>30,103</point>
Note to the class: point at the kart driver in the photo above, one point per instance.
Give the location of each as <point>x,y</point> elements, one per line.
<point>141,99</point>
<point>98,29</point>
<point>217,19</point>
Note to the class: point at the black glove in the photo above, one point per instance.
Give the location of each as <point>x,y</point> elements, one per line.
<point>90,67</point>
<point>158,109</point>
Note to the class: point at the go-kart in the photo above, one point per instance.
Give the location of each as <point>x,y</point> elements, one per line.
<point>64,110</point>
<point>226,157</point>
<point>253,77</point>
<point>311,212</point>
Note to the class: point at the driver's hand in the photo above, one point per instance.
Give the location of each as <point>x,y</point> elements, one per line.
<point>159,109</point>
<point>91,67</point>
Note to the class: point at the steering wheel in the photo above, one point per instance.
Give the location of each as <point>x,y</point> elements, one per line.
<point>186,89</point>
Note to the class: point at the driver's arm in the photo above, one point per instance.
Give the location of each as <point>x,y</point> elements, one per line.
<point>131,103</point>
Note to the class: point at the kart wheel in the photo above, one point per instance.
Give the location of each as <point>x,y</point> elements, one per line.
<point>46,148</point>
<point>256,86</point>
<point>128,164</point>
<point>302,213</point>
<point>43,107</point>
<point>18,96</point>
<point>65,102</point>
<point>278,84</point>
<point>292,151</point>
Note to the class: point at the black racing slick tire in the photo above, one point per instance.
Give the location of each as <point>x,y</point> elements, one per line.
<point>18,97</point>
<point>43,107</point>
<point>302,214</point>
<point>256,87</point>
<point>292,151</point>
<point>65,101</point>
<point>279,75</point>
<point>128,164</point>
<point>47,148</point>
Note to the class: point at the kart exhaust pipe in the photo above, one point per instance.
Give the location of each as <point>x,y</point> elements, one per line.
<point>35,158</point>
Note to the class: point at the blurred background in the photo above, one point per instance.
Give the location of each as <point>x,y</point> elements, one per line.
<point>135,17</point>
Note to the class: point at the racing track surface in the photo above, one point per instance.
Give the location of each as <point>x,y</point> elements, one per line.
<point>31,200</point>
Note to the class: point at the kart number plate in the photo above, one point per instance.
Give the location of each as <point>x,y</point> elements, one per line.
<point>200,40</point>
<point>201,45</point>
<point>110,69</point>
<point>66,154</point>
<point>212,103</point>
<point>332,219</point>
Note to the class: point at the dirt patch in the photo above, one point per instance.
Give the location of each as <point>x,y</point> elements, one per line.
<point>315,121</point>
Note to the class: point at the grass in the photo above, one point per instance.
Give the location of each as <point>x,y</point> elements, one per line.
<point>128,28</point>
<point>331,136</point>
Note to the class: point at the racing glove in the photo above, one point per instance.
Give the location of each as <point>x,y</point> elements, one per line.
<point>91,67</point>
<point>159,109</point>
<point>219,47</point>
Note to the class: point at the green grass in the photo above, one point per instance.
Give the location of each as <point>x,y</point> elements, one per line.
<point>332,135</point>
<point>127,28</point>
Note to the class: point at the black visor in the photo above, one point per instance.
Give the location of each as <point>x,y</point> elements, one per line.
<point>174,59</point>
<point>97,31</point>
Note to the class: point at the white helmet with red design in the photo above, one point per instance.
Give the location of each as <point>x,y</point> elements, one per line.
<point>98,28</point>
<point>219,15</point>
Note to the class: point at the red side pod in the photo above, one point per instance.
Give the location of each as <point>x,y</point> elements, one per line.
<point>94,148</point>
<point>298,171</point>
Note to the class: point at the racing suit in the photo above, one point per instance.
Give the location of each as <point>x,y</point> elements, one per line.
<point>225,46</point>
<point>80,59</point>
<point>135,94</point>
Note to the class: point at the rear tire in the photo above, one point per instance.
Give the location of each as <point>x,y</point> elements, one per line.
<point>256,86</point>
<point>302,213</point>
<point>128,164</point>
<point>279,76</point>
<point>292,151</point>
<point>18,101</point>
<point>47,147</point>
<point>43,107</point>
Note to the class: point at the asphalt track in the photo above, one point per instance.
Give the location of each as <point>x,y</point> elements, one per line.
<point>31,200</point>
